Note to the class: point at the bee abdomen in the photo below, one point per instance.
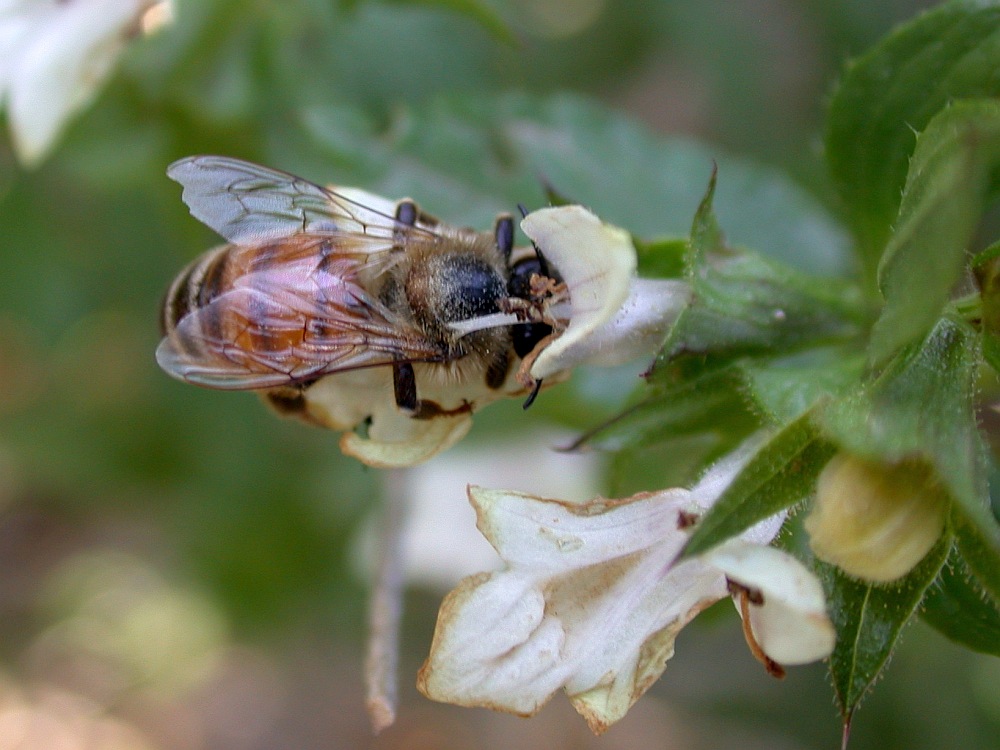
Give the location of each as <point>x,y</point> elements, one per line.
<point>194,289</point>
<point>177,300</point>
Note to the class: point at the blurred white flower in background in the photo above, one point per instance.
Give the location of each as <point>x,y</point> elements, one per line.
<point>54,56</point>
<point>50,718</point>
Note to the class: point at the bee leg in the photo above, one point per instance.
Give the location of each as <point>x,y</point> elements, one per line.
<point>503,231</point>
<point>534,394</point>
<point>404,387</point>
<point>406,212</point>
<point>496,372</point>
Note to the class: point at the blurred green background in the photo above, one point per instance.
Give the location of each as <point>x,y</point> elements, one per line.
<point>177,562</point>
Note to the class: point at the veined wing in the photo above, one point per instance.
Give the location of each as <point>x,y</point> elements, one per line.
<point>286,323</point>
<point>249,204</point>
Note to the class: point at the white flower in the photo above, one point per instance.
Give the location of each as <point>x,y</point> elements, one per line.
<point>54,55</point>
<point>394,439</point>
<point>614,316</point>
<point>591,600</point>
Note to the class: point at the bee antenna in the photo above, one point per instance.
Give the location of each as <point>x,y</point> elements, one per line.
<point>543,266</point>
<point>533,395</point>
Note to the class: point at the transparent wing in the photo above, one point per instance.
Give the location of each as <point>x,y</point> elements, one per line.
<point>289,323</point>
<point>250,205</point>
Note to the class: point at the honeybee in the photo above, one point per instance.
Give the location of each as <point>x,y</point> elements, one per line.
<point>317,283</point>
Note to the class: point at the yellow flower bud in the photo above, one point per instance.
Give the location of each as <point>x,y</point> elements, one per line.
<point>875,521</point>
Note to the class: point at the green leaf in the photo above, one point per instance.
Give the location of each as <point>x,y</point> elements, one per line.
<point>677,461</point>
<point>944,197</point>
<point>479,11</point>
<point>949,53</point>
<point>465,159</point>
<point>869,620</point>
<point>957,606</point>
<point>781,473</point>
<point>786,387</point>
<point>921,405</point>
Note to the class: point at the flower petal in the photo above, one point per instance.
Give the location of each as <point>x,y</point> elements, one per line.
<point>591,599</point>
<point>791,626</point>
<point>615,317</point>
<point>18,21</point>
<point>576,573</point>
<point>395,439</point>
<point>640,325</point>
<point>442,542</point>
<point>596,261</point>
<point>417,441</point>
<point>554,536</point>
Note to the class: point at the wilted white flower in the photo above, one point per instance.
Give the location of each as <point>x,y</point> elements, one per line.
<point>591,600</point>
<point>54,55</point>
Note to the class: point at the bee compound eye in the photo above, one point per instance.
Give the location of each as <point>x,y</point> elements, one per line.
<point>519,284</point>
<point>525,337</point>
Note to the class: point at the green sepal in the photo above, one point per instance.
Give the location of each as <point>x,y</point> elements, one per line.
<point>958,607</point>
<point>951,52</point>
<point>706,235</point>
<point>781,474</point>
<point>991,350</point>
<point>869,619</point>
<point>945,195</point>
<point>746,304</point>
<point>979,543</point>
<point>783,388</point>
<point>986,267</point>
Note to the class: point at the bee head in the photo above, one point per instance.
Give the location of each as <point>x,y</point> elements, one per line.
<point>525,336</point>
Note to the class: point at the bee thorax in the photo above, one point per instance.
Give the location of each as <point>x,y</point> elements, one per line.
<point>449,288</point>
